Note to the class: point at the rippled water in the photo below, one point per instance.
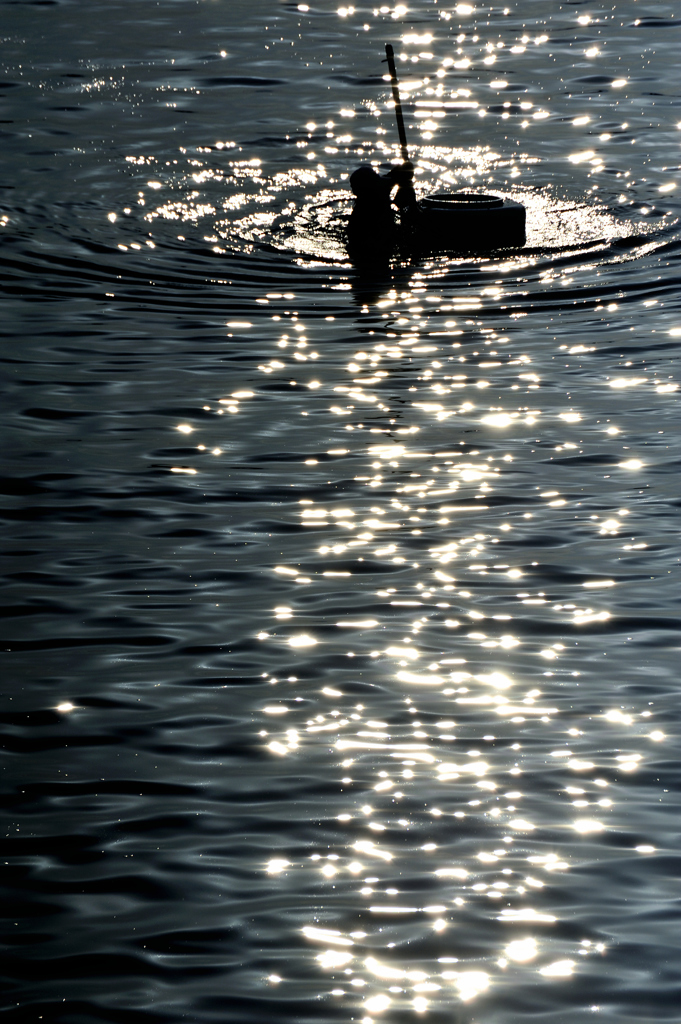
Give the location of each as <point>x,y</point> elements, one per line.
<point>341,639</point>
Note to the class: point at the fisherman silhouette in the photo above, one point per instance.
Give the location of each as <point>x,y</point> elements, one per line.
<point>382,224</point>
<point>442,222</point>
<point>372,230</point>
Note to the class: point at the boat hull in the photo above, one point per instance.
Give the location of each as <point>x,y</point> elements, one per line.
<point>470,222</point>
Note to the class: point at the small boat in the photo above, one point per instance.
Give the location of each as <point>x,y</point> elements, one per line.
<point>470,222</point>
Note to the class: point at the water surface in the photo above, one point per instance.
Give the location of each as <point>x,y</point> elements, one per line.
<point>341,639</point>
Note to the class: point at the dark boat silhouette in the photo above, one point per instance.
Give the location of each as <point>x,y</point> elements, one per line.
<point>470,221</point>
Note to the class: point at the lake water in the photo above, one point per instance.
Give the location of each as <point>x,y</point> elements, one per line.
<point>341,642</point>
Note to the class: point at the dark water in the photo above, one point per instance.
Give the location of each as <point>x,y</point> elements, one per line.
<point>341,643</point>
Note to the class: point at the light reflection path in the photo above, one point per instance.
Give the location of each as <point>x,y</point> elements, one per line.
<point>466,780</point>
<point>467,764</point>
<point>474,776</point>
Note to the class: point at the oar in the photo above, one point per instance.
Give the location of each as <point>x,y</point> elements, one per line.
<point>398,105</point>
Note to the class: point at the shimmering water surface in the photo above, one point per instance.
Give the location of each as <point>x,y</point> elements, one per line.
<point>341,641</point>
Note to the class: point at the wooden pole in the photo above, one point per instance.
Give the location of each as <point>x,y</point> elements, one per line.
<point>398,105</point>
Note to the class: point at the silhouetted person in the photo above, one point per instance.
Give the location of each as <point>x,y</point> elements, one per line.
<point>372,231</point>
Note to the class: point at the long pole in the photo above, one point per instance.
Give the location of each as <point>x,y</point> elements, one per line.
<point>398,104</point>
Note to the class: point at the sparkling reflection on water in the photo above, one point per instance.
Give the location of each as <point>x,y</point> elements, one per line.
<point>428,642</point>
<point>366,585</point>
<point>276,211</point>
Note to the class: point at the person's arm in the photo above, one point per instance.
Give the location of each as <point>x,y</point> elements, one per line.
<point>403,176</point>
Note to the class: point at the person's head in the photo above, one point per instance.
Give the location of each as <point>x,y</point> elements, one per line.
<point>366,184</point>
